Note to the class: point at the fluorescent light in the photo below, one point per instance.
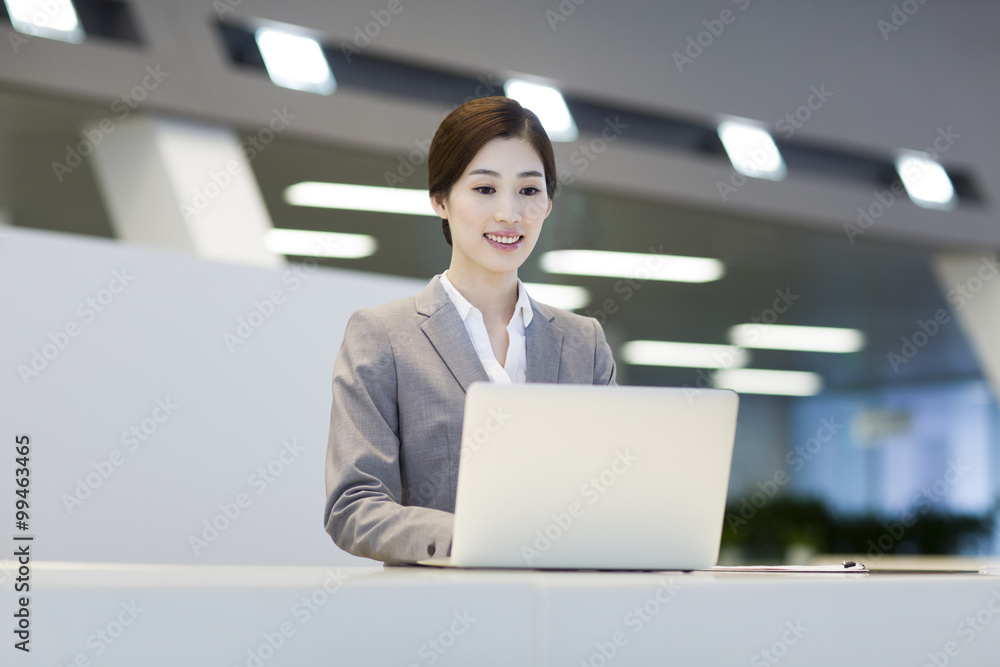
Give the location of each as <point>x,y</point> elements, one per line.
<point>640,266</point>
<point>567,297</point>
<point>360,198</point>
<point>319,244</point>
<point>54,19</point>
<point>683,355</point>
<point>756,381</point>
<point>751,150</point>
<point>810,339</point>
<point>548,104</point>
<point>296,62</point>
<point>926,182</point>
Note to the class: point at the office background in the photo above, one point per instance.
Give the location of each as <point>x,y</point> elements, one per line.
<point>107,141</point>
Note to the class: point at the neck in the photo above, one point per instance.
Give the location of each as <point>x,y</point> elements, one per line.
<point>493,294</point>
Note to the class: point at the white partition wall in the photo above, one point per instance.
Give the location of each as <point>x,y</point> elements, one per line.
<point>968,282</point>
<point>178,408</point>
<point>184,185</point>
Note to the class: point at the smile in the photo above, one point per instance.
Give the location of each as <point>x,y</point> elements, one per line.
<point>504,239</point>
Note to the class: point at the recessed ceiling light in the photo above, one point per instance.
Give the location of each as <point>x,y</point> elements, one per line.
<point>752,150</point>
<point>567,297</point>
<point>295,61</point>
<point>360,198</point>
<point>758,381</point>
<point>548,104</point>
<point>926,182</point>
<point>638,266</point>
<point>784,337</point>
<point>53,19</point>
<point>319,244</point>
<point>683,355</point>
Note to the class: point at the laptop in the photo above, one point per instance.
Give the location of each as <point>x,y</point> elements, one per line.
<point>563,476</point>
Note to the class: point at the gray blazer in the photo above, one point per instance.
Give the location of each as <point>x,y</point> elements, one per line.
<point>399,386</point>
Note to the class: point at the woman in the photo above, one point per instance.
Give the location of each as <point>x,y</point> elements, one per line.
<point>400,378</point>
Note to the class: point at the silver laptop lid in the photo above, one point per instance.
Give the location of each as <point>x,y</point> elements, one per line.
<point>583,476</point>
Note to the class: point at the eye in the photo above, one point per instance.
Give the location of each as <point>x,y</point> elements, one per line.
<point>530,191</point>
<point>485,189</point>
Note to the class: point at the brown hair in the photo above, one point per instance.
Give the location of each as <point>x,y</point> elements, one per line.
<point>471,126</point>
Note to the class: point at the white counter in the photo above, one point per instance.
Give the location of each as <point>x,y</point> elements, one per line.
<point>135,615</point>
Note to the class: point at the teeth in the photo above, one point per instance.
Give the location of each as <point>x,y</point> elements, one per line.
<point>503,239</point>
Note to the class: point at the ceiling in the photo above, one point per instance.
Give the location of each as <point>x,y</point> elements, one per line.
<point>891,89</point>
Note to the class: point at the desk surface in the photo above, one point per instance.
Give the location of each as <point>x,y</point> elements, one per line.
<point>131,615</point>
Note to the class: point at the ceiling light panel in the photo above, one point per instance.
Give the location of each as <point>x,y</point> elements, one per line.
<point>548,104</point>
<point>295,61</point>
<point>637,266</point>
<point>752,150</point>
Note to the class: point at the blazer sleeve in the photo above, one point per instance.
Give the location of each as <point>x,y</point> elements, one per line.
<point>363,513</point>
<point>605,371</point>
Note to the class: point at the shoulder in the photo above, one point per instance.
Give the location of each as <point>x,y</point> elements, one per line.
<point>405,313</point>
<point>383,323</point>
<point>387,312</point>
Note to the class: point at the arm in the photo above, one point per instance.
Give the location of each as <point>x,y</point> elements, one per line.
<point>605,371</point>
<point>363,512</point>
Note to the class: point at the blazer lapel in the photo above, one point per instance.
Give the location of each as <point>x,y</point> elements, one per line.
<point>544,345</point>
<point>446,331</point>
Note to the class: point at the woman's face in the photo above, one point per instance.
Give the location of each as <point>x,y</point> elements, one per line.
<point>496,209</point>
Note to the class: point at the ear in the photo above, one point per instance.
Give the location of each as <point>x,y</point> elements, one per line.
<point>548,209</point>
<point>438,203</point>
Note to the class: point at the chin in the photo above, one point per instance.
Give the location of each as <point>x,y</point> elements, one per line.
<point>493,261</point>
<point>512,264</point>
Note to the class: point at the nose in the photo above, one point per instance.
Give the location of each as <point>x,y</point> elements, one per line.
<point>508,209</point>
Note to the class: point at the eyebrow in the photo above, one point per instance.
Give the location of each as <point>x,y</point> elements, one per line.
<point>490,172</point>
